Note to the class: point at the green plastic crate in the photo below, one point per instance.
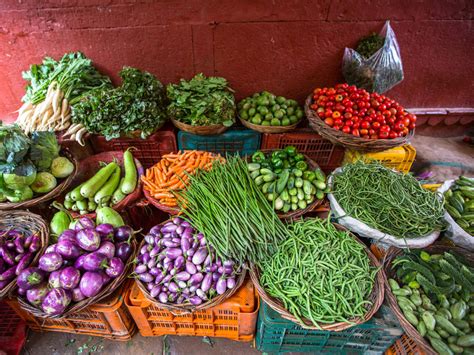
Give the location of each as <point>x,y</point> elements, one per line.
<point>235,140</point>
<point>277,335</point>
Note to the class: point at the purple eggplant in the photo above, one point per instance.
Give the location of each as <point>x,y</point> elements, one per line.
<point>196,279</point>
<point>231,282</point>
<point>146,258</point>
<point>191,268</point>
<point>115,267</point>
<point>200,256</point>
<point>186,224</point>
<point>94,261</point>
<point>221,286</point>
<point>155,271</point>
<point>179,230</point>
<point>182,284</point>
<point>69,278</point>
<point>206,282</point>
<point>107,248</point>
<point>188,233</point>
<point>145,277</point>
<point>140,269</point>
<point>68,234</point>
<point>149,239</point>
<point>155,291</point>
<point>123,233</point>
<point>79,263</point>
<point>53,280</point>
<point>173,253</point>
<point>159,278</point>
<point>19,245</point>
<point>91,283</point>
<point>105,230</point>
<point>156,231</point>
<point>83,223</point>
<point>106,278</point>
<point>179,262</point>
<point>50,249</point>
<point>123,251</point>
<point>170,244</point>
<point>2,265</point>
<point>167,278</point>
<point>195,300</point>
<point>21,291</point>
<point>7,255</point>
<point>8,274</point>
<point>68,249</point>
<point>50,262</point>
<point>77,295</point>
<point>24,262</point>
<point>10,245</point>
<point>36,295</point>
<point>183,276</point>
<point>88,239</point>
<point>56,301</point>
<point>168,228</point>
<point>172,287</point>
<point>30,278</point>
<point>28,241</point>
<point>155,251</point>
<point>149,286</point>
<point>215,276</point>
<point>163,297</point>
<point>35,244</point>
<point>201,294</point>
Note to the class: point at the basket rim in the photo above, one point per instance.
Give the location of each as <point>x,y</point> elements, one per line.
<point>58,190</point>
<point>409,329</point>
<point>210,130</point>
<point>348,140</point>
<point>191,308</point>
<point>269,129</point>
<point>81,305</point>
<point>32,219</point>
<point>377,294</point>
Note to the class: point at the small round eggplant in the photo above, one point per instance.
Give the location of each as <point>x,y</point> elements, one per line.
<point>91,283</point>
<point>68,249</point>
<point>36,295</point>
<point>115,267</point>
<point>56,301</point>
<point>50,262</point>
<point>69,278</point>
<point>123,233</point>
<point>88,239</point>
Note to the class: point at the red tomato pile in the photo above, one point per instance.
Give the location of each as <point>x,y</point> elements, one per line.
<point>357,112</point>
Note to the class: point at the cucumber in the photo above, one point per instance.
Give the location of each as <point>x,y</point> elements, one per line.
<point>291,182</point>
<point>320,176</point>
<point>444,312</point>
<point>297,172</point>
<point>286,207</point>
<point>265,187</point>
<point>403,299</point>
<point>300,194</point>
<point>459,310</point>
<point>393,284</point>
<point>453,212</point>
<point>271,187</point>
<point>426,303</point>
<point>416,299</point>
<point>294,199</point>
<point>452,339</point>
<point>253,166</point>
<point>74,207</point>
<point>446,325</point>
<point>298,182</point>
<point>429,320</point>
<point>68,204</point>
<point>76,193</point>
<point>433,334</point>
<point>67,197</point>
<point>411,318</point>
<point>421,327</point>
<point>302,204</point>
<point>440,346</point>
<point>279,204</point>
<point>443,333</point>
<point>118,195</point>
<point>293,192</point>
<point>402,292</point>
<point>105,193</point>
<point>265,171</point>
<point>456,348</point>
<point>93,185</point>
<point>285,196</point>
<point>461,324</point>
<point>320,185</point>
<point>266,177</point>
<point>91,205</point>
<point>319,195</point>
<point>282,181</point>
<point>294,206</point>
<point>466,340</point>
<point>307,187</point>
<point>254,174</point>
<point>82,205</point>
<point>457,202</point>
<point>258,181</point>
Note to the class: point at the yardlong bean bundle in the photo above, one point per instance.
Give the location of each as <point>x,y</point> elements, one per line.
<point>388,201</point>
<point>236,219</point>
<point>319,273</point>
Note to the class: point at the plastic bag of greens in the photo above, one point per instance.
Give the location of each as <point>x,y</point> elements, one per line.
<point>454,232</point>
<point>376,65</point>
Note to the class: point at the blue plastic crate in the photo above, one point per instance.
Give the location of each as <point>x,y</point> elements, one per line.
<point>235,140</point>
<point>278,335</point>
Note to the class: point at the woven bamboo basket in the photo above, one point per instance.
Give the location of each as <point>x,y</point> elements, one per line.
<point>210,130</point>
<point>186,307</point>
<point>27,222</point>
<point>376,297</point>
<point>168,209</point>
<point>348,140</point>
<point>409,329</point>
<point>269,129</point>
<point>79,306</point>
<point>58,190</point>
<point>89,166</point>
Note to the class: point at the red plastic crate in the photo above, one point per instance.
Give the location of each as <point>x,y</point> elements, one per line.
<point>12,330</point>
<point>404,346</point>
<point>327,155</point>
<point>148,151</point>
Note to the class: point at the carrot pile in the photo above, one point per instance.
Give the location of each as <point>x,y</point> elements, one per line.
<point>171,173</point>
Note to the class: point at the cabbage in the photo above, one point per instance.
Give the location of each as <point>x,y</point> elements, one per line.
<point>44,149</point>
<point>61,167</point>
<point>44,183</point>
<point>14,145</point>
<point>22,176</point>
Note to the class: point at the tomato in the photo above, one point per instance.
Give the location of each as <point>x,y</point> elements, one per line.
<point>399,126</point>
<point>393,135</point>
<point>339,97</point>
<point>376,125</point>
<point>321,114</point>
<point>371,131</point>
<point>355,132</point>
<point>406,121</point>
<point>374,103</point>
<point>382,107</point>
<point>339,107</point>
<point>348,115</point>
<point>383,134</point>
<point>329,104</point>
<point>346,129</point>
<point>366,136</point>
<point>374,136</point>
<point>393,111</point>
<point>380,119</point>
<point>386,113</point>
<point>364,124</point>
<point>370,111</point>
<point>329,121</point>
<point>356,125</point>
<point>412,126</point>
<point>385,128</point>
<point>391,121</point>
<point>350,110</point>
<point>338,122</point>
<point>317,91</point>
<point>364,132</point>
<point>328,113</point>
<point>412,118</point>
<point>336,114</point>
<point>336,127</point>
<point>362,112</point>
<point>331,91</point>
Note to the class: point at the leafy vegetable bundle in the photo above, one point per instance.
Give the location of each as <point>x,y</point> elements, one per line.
<point>319,273</point>
<point>137,105</point>
<point>389,201</point>
<point>228,207</point>
<point>202,101</point>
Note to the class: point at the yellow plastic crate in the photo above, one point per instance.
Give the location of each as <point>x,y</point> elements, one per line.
<point>399,158</point>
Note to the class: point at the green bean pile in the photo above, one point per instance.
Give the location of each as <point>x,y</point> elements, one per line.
<point>388,201</point>
<point>320,273</point>
<point>227,206</point>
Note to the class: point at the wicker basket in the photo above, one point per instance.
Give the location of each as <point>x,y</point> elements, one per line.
<point>269,129</point>
<point>89,166</point>
<point>348,140</point>
<point>29,222</point>
<point>211,130</point>
<point>168,209</point>
<point>297,213</point>
<point>79,306</point>
<point>188,308</point>
<point>58,190</point>
<point>409,329</point>
<point>376,297</point>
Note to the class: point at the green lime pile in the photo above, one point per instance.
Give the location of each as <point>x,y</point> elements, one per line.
<point>266,109</point>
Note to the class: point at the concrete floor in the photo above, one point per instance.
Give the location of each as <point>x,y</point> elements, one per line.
<point>444,157</point>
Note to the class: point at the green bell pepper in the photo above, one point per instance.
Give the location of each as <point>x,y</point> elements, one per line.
<point>302,165</point>
<point>309,175</point>
<point>290,150</point>
<point>277,163</point>
<point>258,157</point>
<point>299,157</point>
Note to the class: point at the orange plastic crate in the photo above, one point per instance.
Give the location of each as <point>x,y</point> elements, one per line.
<point>12,330</point>
<point>404,346</point>
<point>108,319</point>
<point>233,319</point>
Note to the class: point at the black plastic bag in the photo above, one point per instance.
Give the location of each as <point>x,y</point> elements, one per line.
<point>381,71</point>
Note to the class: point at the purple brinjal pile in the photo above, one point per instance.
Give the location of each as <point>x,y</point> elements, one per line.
<point>17,250</point>
<point>83,261</point>
<point>178,266</point>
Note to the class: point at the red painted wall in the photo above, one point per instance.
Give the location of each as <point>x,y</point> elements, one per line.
<point>286,46</point>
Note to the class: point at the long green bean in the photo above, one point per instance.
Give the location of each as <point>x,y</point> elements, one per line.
<point>225,204</point>
<point>388,201</point>
<point>319,273</point>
